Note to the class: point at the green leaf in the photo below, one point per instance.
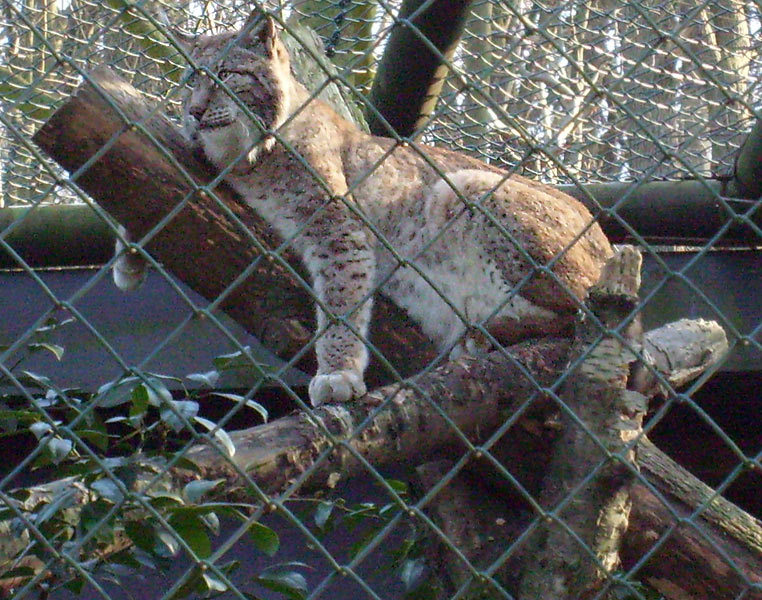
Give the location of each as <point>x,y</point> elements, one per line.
<point>234,360</point>
<point>141,534</point>
<point>192,584</point>
<point>157,392</point>
<point>40,429</point>
<point>186,463</point>
<point>291,584</point>
<point>234,397</point>
<point>265,539</point>
<point>242,361</point>
<point>389,510</point>
<point>59,449</point>
<point>195,490</point>
<point>398,486</point>
<point>211,521</point>
<point>139,402</point>
<point>411,572</point>
<point>167,545</point>
<point>54,349</point>
<point>115,393</point>
<point>91,518</point>
<point>213,583</point>
<point>360,514</point>
<point>186,408</point>
<point>323,513</point>
<point>248,403</point>
<point>52,323</point>
<point>209,379</point>
<point>224,439</point>
<point>230,567</point>
<point>165,500</point>
<point>10,419</point>
<point>220,434</point>
<point>75,585</point>
<point>192,531</point>
<point>107,489</point>
<point>95,422</point>
<point>29,378</point>
<point>98,438</point>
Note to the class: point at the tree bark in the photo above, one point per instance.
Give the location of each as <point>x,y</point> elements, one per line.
<point>585,495</point>
<point>478,396</point>
<point>143,171</point>
<point>747,173</point>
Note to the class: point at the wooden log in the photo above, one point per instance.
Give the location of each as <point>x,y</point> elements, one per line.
<point>585,498</point>
<point>478,396</point>
<point>140,169</point>
<point>723,560</point>
<point>411,72</point>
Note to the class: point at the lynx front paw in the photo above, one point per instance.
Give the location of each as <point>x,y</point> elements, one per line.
<point>338,386</point>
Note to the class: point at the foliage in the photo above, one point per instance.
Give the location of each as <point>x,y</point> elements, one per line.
<point>120,525</point>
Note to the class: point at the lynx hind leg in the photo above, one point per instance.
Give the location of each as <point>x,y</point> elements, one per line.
<point>130,269</point>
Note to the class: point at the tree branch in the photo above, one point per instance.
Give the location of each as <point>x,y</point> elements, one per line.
<point>411,72</point>
<point>477,396</point>
<point>586,489</point>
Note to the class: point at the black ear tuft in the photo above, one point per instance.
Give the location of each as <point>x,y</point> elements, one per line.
<point>259,29</point>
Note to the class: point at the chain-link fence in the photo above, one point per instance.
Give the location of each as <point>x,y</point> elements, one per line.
<point>610,91</point>
<point>489,477</point>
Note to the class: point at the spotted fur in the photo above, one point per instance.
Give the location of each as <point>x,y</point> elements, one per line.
<point>364,211</point>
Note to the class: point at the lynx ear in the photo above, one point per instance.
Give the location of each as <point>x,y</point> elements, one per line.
<point>184,40</point>
<point>260,29</point>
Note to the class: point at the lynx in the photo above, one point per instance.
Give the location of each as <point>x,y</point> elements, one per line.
<point>367,213</point>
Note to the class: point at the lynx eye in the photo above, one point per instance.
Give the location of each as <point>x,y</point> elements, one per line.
<point>224,74</point>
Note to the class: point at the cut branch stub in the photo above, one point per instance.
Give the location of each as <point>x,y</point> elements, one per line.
<point>143,169</point>
<point>586,490</point>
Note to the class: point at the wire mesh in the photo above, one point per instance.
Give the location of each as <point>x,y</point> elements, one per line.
<point>576,92</point>
<point>689,76</point>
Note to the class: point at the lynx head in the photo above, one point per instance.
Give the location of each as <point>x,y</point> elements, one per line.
<point>254,67</point>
